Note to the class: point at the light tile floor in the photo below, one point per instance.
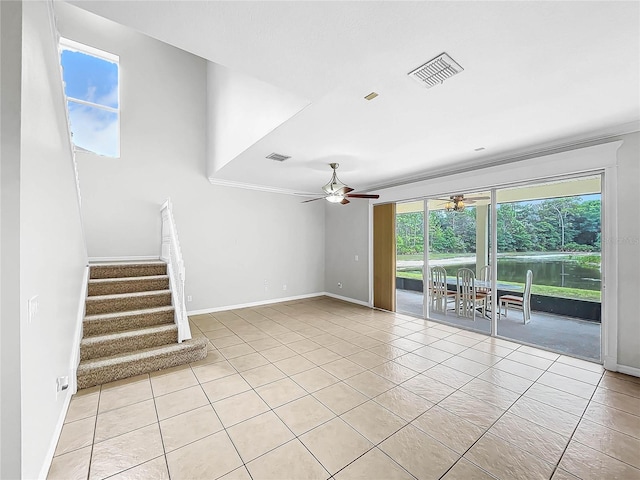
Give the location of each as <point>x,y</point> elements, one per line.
<point>319,389</point>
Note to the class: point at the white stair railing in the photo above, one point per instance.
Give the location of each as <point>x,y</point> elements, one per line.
<point>172,254</point>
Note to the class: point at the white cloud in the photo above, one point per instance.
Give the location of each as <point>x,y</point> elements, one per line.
<point>110,99</point>
<point>94,129</point>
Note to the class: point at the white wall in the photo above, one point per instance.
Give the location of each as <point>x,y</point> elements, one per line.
<point>347,235</point>
<point>240,111</point>
<point>628,243</point>
<point>52,251</point>
<point>10,394</point>
<point>232,239</point>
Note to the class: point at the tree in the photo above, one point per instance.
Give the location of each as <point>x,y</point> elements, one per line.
<point>410,233</point>
<point>559,209</point>
<point>514,233</point>
<point>586,219</point>
<point>540,225</point>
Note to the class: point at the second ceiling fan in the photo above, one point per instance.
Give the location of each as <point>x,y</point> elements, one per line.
<point>457,203</point>
<point>337,192</point>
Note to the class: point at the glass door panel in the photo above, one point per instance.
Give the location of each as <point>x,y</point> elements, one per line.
<point>410,258</point>
<point>458,250</point>
<point>549,263</point>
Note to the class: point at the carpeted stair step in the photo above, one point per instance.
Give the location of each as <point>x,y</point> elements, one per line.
<point>108,369</point>
<point>105,323</point>
<point>128,341</point>
<point>112,286</point>
<point>120,270</point>
<point>123,302</point>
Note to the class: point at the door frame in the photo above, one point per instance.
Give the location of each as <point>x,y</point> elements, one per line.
<point>601,158</point>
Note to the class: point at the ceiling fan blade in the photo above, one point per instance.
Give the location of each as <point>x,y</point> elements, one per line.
<point>476,198</point>
<point>313,200</point>
<point>361,195</point>
<point>344,201</point>
<point>344,190</point>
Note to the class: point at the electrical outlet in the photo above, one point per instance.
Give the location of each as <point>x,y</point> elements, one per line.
<point>189,298</point>
<point>339,284</point>
<point>62,383</point>
<point>284,286</point>
<point>33,305</point>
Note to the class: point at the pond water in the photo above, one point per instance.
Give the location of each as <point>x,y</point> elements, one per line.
<point>547,270</point>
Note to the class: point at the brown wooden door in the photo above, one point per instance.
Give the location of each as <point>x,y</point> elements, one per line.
<point>384,256</point>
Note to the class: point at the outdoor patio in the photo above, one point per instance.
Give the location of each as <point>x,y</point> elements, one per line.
<point>560,334</point>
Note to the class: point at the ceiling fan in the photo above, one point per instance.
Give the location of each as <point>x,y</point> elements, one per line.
<point>338,192</point>
<point>457,203</point>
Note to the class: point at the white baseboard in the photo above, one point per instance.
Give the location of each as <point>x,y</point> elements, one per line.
<point>276,300</point>
<point>46,464</point>
<point>348,299</point>
<point>629,370</point>
<point>253,304</point>
<point>610,363</point>
<point>135,258</point>
<point>73,380</point>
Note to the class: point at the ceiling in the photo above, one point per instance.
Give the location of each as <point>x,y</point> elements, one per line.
<point>536,75</point>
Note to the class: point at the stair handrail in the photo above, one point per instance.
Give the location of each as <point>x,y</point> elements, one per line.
<point>172,255</point>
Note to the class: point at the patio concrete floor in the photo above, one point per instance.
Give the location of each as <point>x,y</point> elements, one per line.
<point>570,336</point>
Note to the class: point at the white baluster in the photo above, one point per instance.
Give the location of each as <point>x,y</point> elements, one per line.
<point>172,254</point>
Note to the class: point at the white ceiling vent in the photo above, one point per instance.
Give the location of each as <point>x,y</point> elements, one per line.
<point>277,157</point>
<point>436,71</point>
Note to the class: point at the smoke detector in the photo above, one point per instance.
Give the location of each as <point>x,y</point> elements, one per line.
<point>277,157</point>
<point>436,71</point>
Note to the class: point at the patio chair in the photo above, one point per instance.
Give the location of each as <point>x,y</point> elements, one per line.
<point>485,287</point>
<point>515,301</point>
<point>469,299</point>
<point>440,294</point>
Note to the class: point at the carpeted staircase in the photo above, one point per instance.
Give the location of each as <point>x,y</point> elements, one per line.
<point>129,326</point>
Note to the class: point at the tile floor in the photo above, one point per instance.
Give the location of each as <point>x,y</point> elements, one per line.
<point>320,389</point>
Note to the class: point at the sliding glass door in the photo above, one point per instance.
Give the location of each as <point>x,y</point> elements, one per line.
<point>543,288</point>
<point>549,265</point>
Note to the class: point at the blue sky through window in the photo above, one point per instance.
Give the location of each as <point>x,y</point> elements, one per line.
<point>91,79</point>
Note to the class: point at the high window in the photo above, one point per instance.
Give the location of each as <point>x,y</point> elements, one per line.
<point>91,85</point>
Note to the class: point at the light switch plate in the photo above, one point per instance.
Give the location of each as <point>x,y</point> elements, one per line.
<point>33,305</point>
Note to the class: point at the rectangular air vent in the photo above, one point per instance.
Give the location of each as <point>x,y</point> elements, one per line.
<point>277,157</point>
<point>436,71</point>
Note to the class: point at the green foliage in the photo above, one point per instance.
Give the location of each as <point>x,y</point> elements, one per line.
<point>410,233</point>
<point>587,260</point>
<point>559,224</point>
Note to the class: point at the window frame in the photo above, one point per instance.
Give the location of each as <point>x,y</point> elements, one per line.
<point>73,46</point>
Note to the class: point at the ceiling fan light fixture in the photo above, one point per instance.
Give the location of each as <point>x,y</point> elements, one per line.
<point>337,192</point>
<point>334,184</point>
<point>456,204</point>
<point>334,198</point>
